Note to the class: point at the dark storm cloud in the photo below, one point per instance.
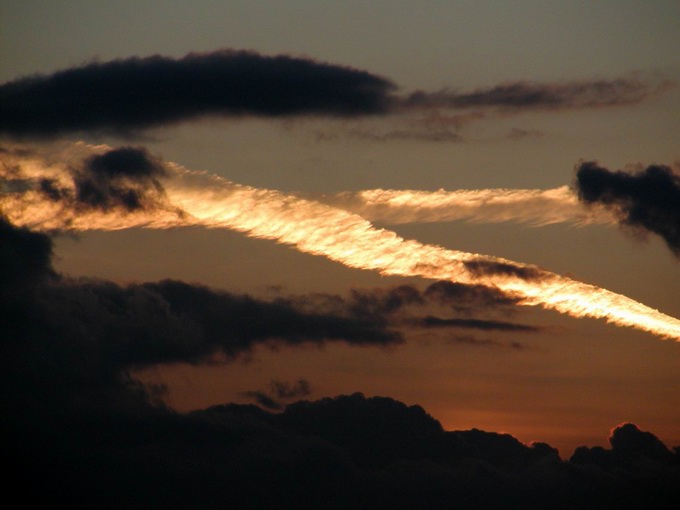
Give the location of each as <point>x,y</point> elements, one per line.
<point>647,200</point>
<point>124,96</point>
<point>521,95</point>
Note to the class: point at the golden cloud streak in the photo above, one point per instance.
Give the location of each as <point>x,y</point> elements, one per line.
<point>320,229</point>
<point>536,207</point>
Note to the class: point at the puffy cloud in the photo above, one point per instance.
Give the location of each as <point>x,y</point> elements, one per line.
<point>647,200</point>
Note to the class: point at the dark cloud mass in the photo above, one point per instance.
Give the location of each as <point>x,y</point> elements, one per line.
<point>126,177</point>
<point>124,96</point>
<point>647,200</point>
<point>77,431</point>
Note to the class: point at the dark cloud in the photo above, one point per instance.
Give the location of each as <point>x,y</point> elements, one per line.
<point>279,393</point>
<point>487,325</point>
<point>123,179</point>
<point>124,96</point>
<point>538,96</point>
<point>487,342</point>
<point>65,337</point>
<point>126,177</point>
<point>468,298</point>
<point>647,200</point>
<point>481,267</point>
<point>77,431</point>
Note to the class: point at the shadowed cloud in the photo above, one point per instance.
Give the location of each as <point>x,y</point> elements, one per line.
<point>124,96</point>
<point>538,96</point>
<point>82,433</point>
<point>647,200</point>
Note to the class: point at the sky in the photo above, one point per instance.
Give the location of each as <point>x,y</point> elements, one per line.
<point>252,202</point>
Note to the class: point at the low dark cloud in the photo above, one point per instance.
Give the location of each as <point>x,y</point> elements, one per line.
<point>538,96</point>
<point>76,334</point>
<point>78,431</point>
<point>124,96</point>
<point>647,200</point>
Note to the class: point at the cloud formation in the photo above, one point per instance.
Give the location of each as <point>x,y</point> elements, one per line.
<point>125,179</point>
<point>81,432</point>
<point>125,96</point>
<point>521,95</point>
<point>647,200</point>
<point>319,229</point>
<point>128,95</point>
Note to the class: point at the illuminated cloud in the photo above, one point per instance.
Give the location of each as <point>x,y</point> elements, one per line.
<point>318,229</point>
<point>647,200</point>
<point>533,206</point>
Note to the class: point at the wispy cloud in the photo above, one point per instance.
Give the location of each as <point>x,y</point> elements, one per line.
<point>522,96</point>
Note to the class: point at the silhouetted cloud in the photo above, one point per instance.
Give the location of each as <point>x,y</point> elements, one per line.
<point>125,177</point>
<point>80,432</point>
<point>648,200</point>
<point>486,342</point>
<point>438,322</point>
<point>124,96</point>
<point>538,96</point>
<point>491,267</point>
<point>279,393</point>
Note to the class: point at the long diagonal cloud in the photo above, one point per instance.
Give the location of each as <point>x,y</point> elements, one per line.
<point>319,229</point>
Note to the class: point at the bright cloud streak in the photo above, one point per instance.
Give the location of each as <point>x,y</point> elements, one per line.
<point>320,229</point>
<point>532,206</point>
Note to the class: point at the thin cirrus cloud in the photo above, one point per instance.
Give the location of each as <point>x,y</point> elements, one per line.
<point>126,96</point>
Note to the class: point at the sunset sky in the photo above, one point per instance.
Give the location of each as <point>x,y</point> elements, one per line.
<point>471,95</point>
